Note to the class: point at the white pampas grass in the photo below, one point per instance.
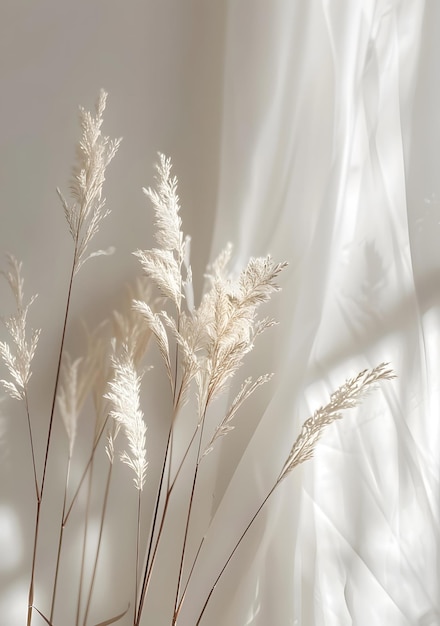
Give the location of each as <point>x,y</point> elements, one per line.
<point>213,339</point>
<point>164,265</point>
<point>124,396</point>
<point>225,426</point>
<point>77,378</point>
<point>166,204</point>
<point>226,323</point>
<point>18,356</point>
<point>68,398</point>
<point>157,328</point>
<point>94,153</point>
<point>349,395</point>
<point>202,346</point>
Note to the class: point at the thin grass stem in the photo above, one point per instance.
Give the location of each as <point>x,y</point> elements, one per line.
<point>43,616</point>
<point>60,540</point>
<point>182,598</point>
<point>242,536</point>
<point>57,377</point>
<point>183,460</point>
<point>169,459</point>
<point>151,552</point>
<point>188,517</point>
<point>149,571</point>
<point>152,530</point>
<point>84,545</point>
<point>175,404</point>
<point>86,469</point>
<point>34,558</point>
<point>98,548</point>
<point>138,534</point>
<point>31,441</point>
<point>49,437</point>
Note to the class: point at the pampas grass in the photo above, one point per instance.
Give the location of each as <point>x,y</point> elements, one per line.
<point>202,348</point>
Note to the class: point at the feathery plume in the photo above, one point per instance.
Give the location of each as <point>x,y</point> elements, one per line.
<point>163,269</point>
<point>77,379</point>
<point>124,396</point>
<point>157,328</point>
<point>94,153</point>
<point>129,326</point>
<point>187,342</point>
<point>166,206</point>
<point>68,398</point>
<point>248,387</point>
<point>112,433</point>
<point>345,397</point>
<point>18,358</point>
<point>98,350</point>
<point>214,338</point>
<point>164,264</point>
<point>228,312</point>
<point>126,327</point>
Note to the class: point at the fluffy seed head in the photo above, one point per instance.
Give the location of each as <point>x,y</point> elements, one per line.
<point>124,396</point>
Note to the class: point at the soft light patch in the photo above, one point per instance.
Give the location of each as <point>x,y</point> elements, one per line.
<point>11,545</point>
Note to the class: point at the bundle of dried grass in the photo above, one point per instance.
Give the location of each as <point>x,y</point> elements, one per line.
<point>202,348</point>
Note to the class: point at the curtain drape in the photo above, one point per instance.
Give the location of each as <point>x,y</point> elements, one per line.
<point>326,110</point>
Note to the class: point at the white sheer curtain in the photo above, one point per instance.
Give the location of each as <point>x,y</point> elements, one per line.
<point>327,117</point>
<point>304,129</point>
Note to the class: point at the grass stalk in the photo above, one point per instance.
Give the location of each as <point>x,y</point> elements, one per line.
<point>60,540</point>
<point>84,474</point>
<point>57,377</point>
<point>31,441</point>
<point>84,545</point>
<point>136,578</point>
<point>175,402</point>
<point>49,438</point>
<point>148,571</point>
<point>182,597</point>
<point>145,580</point>
<point>188,517</point>
<point>167,458</point>
<point>98,547</point>
<point>34,558</point>
<point>242,536</point>
<point>43,616</point>
<point>152,551</point>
